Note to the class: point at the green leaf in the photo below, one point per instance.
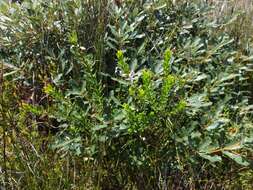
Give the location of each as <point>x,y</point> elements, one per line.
<point>73,38</point>
<point>99,127</point>
<point>10,73</point>
<point>230,77</point>
<point>66,143</point>
<point>217,124</point>
<point>119,116</point>
<point>200,77</point>
<point>237,158</point>
<point>214,158</point>
<point>166,62</point>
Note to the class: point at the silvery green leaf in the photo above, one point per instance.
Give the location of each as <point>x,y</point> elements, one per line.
<point>214,158</point>
<point>237,158</point>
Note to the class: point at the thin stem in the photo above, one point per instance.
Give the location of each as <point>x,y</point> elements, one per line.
<point>4,126</point>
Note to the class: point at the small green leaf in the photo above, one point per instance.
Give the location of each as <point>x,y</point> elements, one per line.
<point>73,38</point>
<point>167,59</point>
<point>121,62</point>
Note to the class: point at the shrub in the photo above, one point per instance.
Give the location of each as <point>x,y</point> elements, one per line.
<point>141,95</point>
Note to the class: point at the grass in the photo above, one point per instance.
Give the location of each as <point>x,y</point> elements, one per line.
<point>242,29</point>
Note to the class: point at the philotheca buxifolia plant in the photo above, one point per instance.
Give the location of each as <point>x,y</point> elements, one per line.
<point>133,95</point>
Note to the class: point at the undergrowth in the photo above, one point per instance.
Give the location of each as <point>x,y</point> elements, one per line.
<point>124,95</point>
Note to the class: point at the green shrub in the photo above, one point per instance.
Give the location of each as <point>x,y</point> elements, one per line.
<point>141,95</point>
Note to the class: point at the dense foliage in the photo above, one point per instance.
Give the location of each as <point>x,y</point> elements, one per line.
<point>123,95</point>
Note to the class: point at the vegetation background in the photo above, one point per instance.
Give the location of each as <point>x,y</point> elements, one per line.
<point>104,94</point>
